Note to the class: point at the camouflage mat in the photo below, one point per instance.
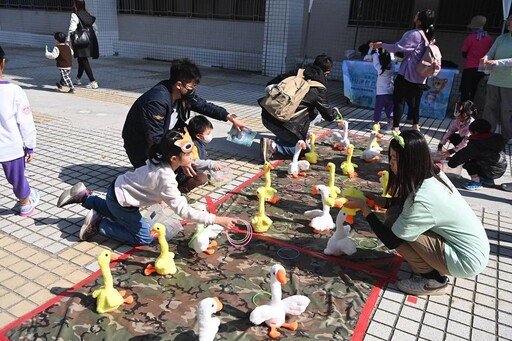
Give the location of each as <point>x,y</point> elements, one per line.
<point>164,308</point>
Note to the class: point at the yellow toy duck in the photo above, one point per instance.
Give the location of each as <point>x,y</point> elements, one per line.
<point>268,190</point>
<point>378,135</point>
<point>297,167</point>
<point>333,190</point>
<point>208,325</point>
<point>164,264</point>
<point>350,212</point>
<point>347,167</point>
<point>260,222</point>
<point>274,313</point>
<point>312,156</point>
<point>340,142</point>
<point>107,298</point>
<point>384,179</point>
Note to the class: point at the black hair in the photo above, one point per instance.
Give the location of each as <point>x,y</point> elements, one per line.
<point>427,18</point>
<point>467,108</point>
<point>198,124</point>
<point>384,60</point>
<point>184,71</point>
<point>414,165</point>
<point>78,5</point>
<point>166,148</point>
<point>364,48</point>
<point>480,126</point>
<point>2,53</point>
<point>324,62</point>
<point>60,37</point>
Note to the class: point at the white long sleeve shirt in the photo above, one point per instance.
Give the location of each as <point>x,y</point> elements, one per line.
<point>150,184</point>
<point>73,25</point>
<point>17,128</point>
<point>385,82</point>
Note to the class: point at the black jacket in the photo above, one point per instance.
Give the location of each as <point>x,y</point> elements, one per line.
<point>316,98</point>
<point>486,151</point>
<point>92,50</point>
<point>150,117</point>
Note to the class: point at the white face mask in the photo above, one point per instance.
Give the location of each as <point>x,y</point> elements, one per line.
<point>208,138</point>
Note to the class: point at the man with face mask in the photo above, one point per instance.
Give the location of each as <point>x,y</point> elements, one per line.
<point>167,106</point>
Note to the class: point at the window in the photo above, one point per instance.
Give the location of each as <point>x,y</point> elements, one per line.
<point>381,13</point>
<point>455,15</point>
<point>46,5</point>
<point>251,10</point>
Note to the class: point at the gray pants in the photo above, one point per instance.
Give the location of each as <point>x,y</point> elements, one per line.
<point>498,109</point>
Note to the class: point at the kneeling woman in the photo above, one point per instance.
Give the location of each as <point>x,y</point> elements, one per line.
<point>428,222</point>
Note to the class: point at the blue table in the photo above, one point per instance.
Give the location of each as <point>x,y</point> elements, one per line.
<point>359,79</point>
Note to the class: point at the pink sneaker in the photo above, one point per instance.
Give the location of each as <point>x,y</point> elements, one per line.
<point>28,209</point>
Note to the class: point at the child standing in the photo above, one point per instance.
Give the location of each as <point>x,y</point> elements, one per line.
<point>384,62</point>
<point>458,133</point>
<point>17,140</point>
<point>63,55</point>
<point>118,215</point>
<point>483,157</point>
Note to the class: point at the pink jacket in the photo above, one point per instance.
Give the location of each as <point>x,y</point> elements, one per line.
<point>462,128</point>
<point>476,49</point>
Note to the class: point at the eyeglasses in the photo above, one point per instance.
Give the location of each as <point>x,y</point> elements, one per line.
<point>185,143</point>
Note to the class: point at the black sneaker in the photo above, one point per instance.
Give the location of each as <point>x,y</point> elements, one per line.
<point>59,87</point>
<point>267,149</point>
<point>73,195</point>
<point>90,228</point>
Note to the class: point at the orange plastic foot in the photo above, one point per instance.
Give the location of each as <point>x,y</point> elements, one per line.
<point>291,326</point>
<point>316,231</point>
<point>128,300</point>
<point>273,333</point>
<point>149,269</point>
<point>295,175</point>
<point>274,200</point>
<point>209,251</point>
<point>303,174</point>
<point>213,244</point>
<point>122,292</point>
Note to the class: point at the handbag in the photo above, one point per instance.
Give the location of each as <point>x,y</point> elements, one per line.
<point>80,37</point>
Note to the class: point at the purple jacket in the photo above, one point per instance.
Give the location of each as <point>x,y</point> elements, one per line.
<point>413,46</point>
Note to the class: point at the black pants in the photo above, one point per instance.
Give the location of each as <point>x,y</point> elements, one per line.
<point>409,93</point>
<point>83,65</point>
<point>469,83</point>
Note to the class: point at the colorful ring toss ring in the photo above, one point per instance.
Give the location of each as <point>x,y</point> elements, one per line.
<point>288,253</point>
<point>282,227</point>
<point>367,243</point>
<point>245,240</point>
<point>258,295</point>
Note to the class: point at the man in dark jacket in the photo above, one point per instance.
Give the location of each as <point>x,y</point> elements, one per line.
<point>289,132</point>
<point>483,157</point>
<point>167,106</point>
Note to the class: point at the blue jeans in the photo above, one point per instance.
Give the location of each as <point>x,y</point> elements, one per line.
<point>125,224</point>
<point>285,139</point>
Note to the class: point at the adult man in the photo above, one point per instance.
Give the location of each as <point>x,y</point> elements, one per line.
<point>165,106</point>
<point>289,132</point>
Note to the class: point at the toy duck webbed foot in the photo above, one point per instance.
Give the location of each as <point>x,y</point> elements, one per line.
<point>274,200</point>
<point>274,333</point>
<point>291,326</point>
<point>211,248</point>
<point>127,299</point>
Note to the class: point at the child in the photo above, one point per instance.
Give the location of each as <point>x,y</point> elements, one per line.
<point>17,140</point>
<point>483,157</point>
<point>118,215</point>
<point>384,62</point>
<point>64,57</point>
<point>427,221</point>
<point>458,133</point>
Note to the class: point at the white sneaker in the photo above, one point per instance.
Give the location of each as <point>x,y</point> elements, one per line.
<point>418,285</point>
<point>77,81</point>
<point>92,85</point>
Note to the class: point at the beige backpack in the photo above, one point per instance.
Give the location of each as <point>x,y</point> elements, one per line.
<point>283,99</point>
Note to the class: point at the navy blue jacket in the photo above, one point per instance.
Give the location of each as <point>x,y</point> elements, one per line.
<point>151,116</point>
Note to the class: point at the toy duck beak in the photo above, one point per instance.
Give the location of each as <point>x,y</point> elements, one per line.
<point>303,146</point>
<point>153,233</point>
<point>219,304</point>
<point>380,173</point>
<point>379,136</point>
<point>270,166</point>
<point>314,190</point>
<point>281,276</point>
<point>113,257</point>
<point>327,167</point>
<point>340,123</point>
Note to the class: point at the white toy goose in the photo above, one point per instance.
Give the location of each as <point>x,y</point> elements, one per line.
<point>341,141</point>
<point>369,154</point>
<point>339,243</point>
<point>274,313</point>
<point>200,241</point>
<point>208,325</point>
<point>297,167</point>
<point>107,297</point>
<point>322,219</point>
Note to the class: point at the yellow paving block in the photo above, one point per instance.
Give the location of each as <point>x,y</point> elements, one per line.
<point>22,308</point>
<point>9,300</point>
<point>5,319</point>
<point>47,279</point>
<point>70,254</point>
<point>41,297</point>
<point>6,274</point>
<point>14,282</point>
<point>83,260</point>
<point>28,289</point>
<point>22,266</point>
<point>51,264</point>
<point>35,272</point>
<point>15,246</point>
<point>37,257</point>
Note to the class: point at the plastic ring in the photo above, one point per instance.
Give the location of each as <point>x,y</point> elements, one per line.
<point>367,243</point>
<point>282,230</point>
<point>245,240</point>
<point>260,294</point>
<point>281,250</point>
